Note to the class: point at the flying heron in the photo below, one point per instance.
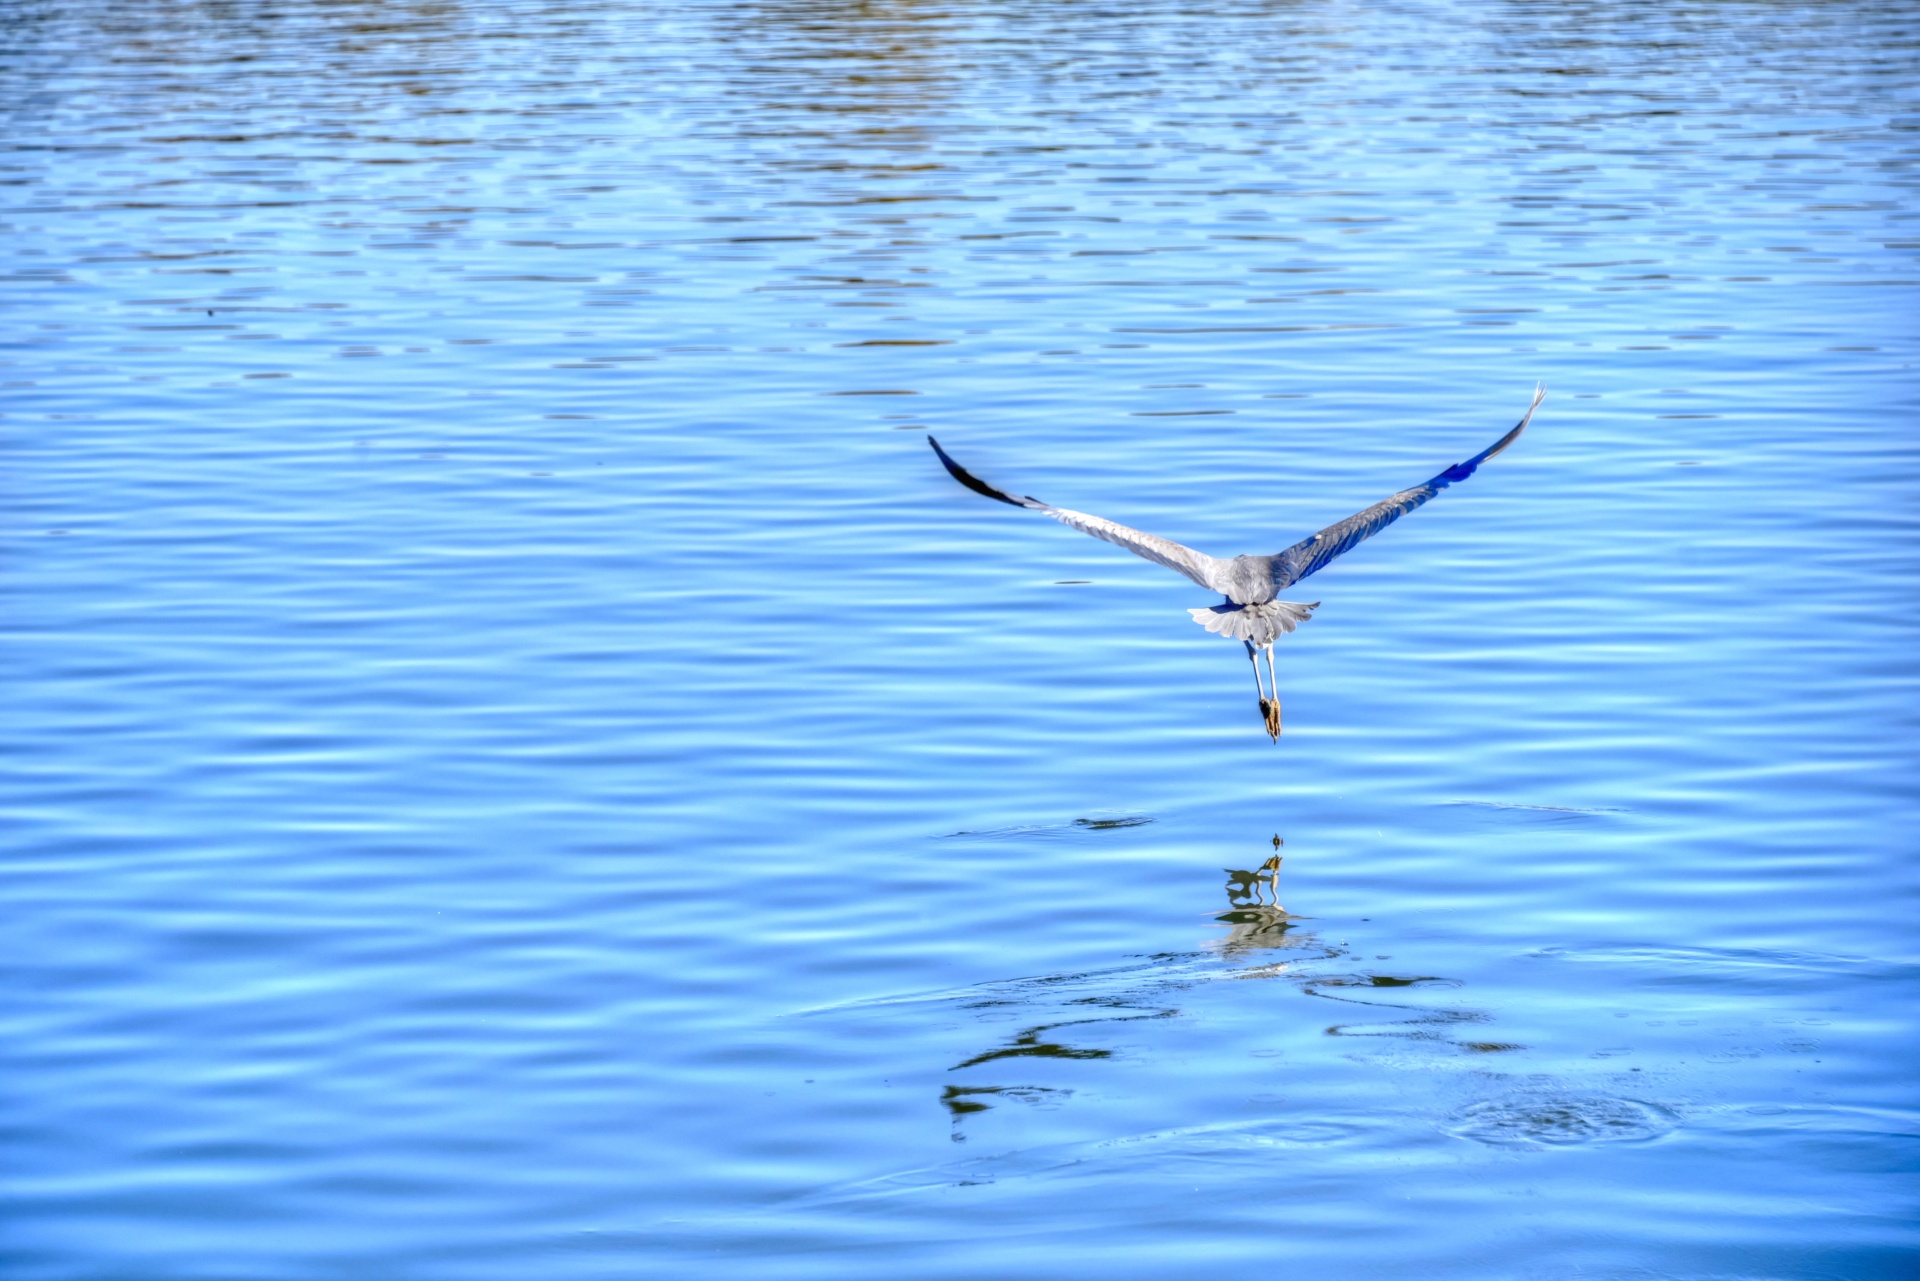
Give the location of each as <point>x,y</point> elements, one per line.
<point>1251,613</point>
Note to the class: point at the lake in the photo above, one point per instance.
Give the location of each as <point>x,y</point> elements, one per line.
<point>522,764</point>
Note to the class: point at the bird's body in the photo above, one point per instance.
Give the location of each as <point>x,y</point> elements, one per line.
<point>1252,612</point>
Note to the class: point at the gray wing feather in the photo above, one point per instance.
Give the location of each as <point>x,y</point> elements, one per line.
<point>1177,557</point>
<point>1311,554</point>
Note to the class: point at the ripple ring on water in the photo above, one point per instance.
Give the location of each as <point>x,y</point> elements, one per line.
<point>1560,1121</point>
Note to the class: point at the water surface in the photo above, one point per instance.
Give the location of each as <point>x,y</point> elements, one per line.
<point>521,764</point>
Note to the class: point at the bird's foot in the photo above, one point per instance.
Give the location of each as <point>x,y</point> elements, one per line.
<point>1270,713</point>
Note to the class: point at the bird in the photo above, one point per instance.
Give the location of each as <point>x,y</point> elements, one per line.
<point>1252,612</point>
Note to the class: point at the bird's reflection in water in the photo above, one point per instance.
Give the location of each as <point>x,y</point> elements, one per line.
<point>1263,940</point>
<point>1255,919</point>
<point>1257,922</point>
<point>1260,887</point>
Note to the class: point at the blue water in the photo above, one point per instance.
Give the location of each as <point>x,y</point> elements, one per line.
<point>521,764</point>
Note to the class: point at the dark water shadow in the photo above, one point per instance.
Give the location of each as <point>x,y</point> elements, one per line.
<point>1052,830</point>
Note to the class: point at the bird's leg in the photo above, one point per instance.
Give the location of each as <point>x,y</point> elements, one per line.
<point>1269,708</point>
<point>1273,682</point>
<point>1271,868</point>
<point>1253,656</point>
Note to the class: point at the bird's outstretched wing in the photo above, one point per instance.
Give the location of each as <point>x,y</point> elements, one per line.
<point>1310,554</point>
<point>1178,557</point>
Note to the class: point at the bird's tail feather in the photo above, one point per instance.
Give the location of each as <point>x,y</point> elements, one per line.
<point>1259,624</point>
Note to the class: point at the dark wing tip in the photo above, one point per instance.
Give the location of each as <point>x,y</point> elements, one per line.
<point>973,482</point>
